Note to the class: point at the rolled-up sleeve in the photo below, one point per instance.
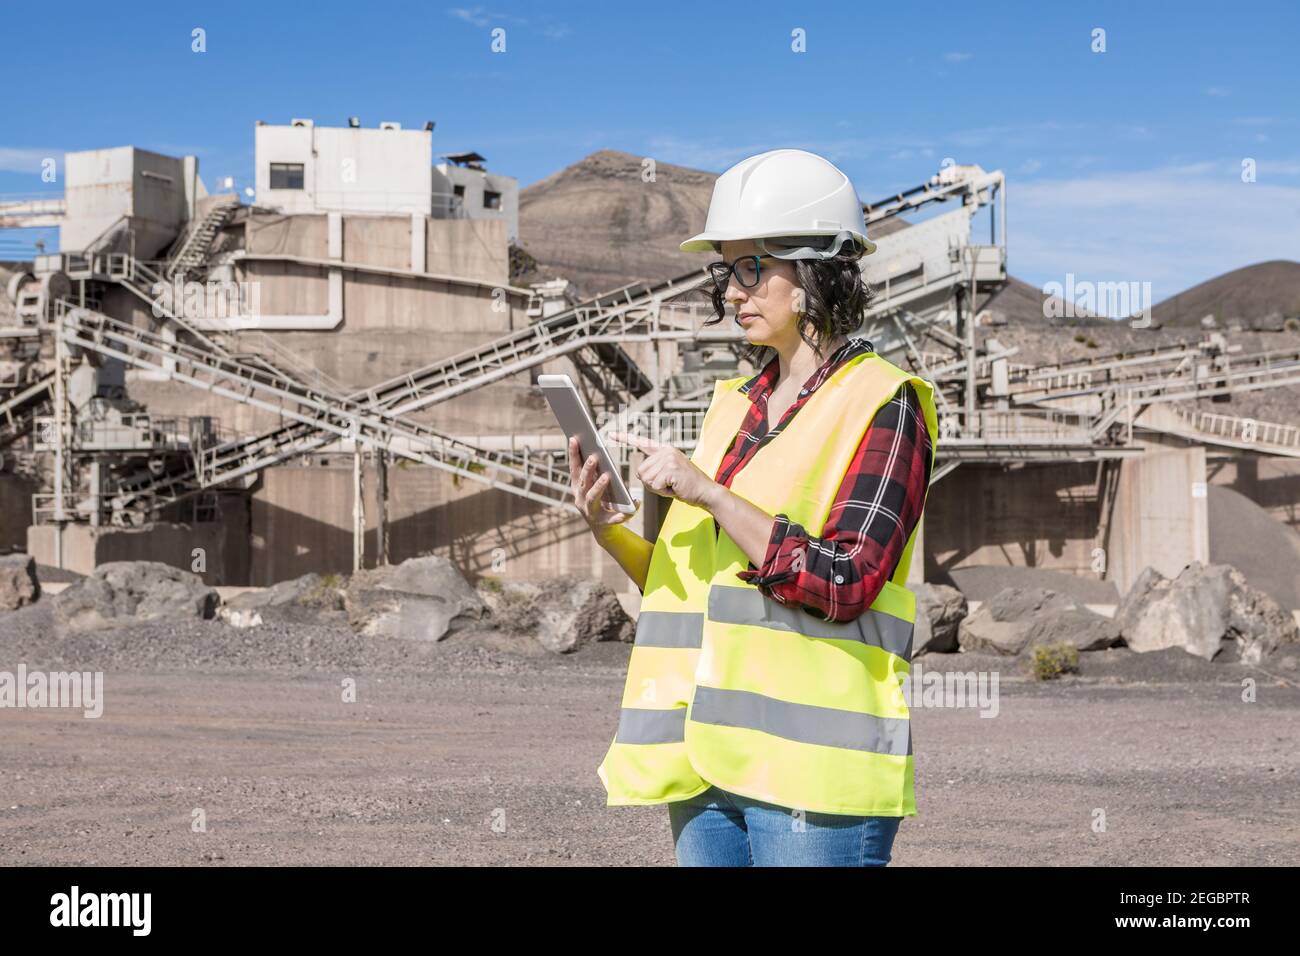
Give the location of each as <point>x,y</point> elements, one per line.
<point>838,574</point>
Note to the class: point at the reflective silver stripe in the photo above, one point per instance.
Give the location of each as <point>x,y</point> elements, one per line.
<point>804,723</point>
<point>729,605</point>
<point>669,629</point>
<point>638,726</point>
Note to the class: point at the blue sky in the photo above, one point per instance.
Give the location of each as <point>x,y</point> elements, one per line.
<point>1122,165</point>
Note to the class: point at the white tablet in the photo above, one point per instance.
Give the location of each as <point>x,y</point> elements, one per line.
<point>571,412</point>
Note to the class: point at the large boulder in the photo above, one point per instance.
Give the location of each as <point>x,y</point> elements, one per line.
<point>143,590</point>
<point>562,614</point>
<point>939,612</point>
<point>1083,629</point>
<point>420,599</point>
<point>18,583</point>
<point>1201,610</point>
<point>1015,619</point>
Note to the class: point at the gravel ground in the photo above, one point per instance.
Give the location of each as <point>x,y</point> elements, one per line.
<point>480,750</point>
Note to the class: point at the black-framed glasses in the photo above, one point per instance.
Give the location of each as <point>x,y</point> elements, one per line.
<point>746,268</point>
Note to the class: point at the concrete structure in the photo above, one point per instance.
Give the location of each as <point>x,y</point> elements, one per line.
<point>1160,517</point>
<point>149,194</point>
<point>305,168</point>
<point>462,187</point>
<point>215,550</point>
<point>359,299</point>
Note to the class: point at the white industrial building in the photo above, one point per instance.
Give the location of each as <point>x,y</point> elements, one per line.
<point>304,168</point>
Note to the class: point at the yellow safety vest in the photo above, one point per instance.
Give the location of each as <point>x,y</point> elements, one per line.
<point>728,686</point>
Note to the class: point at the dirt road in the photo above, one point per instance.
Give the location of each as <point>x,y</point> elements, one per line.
<point>484,757</point>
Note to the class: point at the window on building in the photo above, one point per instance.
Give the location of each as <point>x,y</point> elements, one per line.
<point>286,175</point>
<point>459,191</point>
<point>491,200</point>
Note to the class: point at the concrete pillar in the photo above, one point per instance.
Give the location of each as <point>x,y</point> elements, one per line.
<point>358,509</point>
<point>190,173</point>
<point>381,467</point>
<point>96,487</point>
<point>417,243</point>
<point>1160,519</point>
<point>334,240</point>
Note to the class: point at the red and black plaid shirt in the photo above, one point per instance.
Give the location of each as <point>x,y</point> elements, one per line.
<point>875,510</point>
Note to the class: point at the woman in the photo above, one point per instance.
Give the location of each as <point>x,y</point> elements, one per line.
<point>763,699</point>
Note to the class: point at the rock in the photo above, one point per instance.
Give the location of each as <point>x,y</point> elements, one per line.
<point>420,599</point>
<point>302,600</point>
<point>1085,630</point>
<point>144,590</point>
<point>1273,322</point>
<point>1001,625</point>
<point>1139,596</point>
<point>309,590</point>
<point>563,614</point>
<point>512,606</point>
<point>240,617</point>
<point>576,611</point>
<point>18,582</point>
<point>939,612</point>
<point>1200,610</point>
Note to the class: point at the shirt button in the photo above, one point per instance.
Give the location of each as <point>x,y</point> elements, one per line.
<point>839,579</point>
<point>803,391</point>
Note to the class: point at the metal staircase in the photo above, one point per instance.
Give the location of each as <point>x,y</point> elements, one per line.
<point>1230,431</point>
<point>191,249</point>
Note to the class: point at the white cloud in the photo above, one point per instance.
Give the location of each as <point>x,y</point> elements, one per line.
<point>1216,91</point>
<point>1173,227</point>
<point>957,57</point>
<point>480,17</point>
<point>470,15</point>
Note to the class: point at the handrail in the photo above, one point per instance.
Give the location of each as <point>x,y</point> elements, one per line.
<point>1240,427</point>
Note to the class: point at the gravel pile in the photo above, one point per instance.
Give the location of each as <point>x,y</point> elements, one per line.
<point>31,636</point>
<point>1246,536</point>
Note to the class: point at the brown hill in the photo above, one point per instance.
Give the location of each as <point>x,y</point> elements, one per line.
<point>599,224</point>
<point>1250,293</point>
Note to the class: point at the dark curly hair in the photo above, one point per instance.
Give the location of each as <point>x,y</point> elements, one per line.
<point>836,298</point>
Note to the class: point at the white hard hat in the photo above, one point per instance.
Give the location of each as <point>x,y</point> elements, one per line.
<point>793,203</point>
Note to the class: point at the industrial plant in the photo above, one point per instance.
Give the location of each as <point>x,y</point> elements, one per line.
<point>336,370</point>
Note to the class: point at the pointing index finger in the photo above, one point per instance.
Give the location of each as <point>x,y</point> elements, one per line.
<point>636,441</point>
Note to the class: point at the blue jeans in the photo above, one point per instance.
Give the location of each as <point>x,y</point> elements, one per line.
<point>719,828</point>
